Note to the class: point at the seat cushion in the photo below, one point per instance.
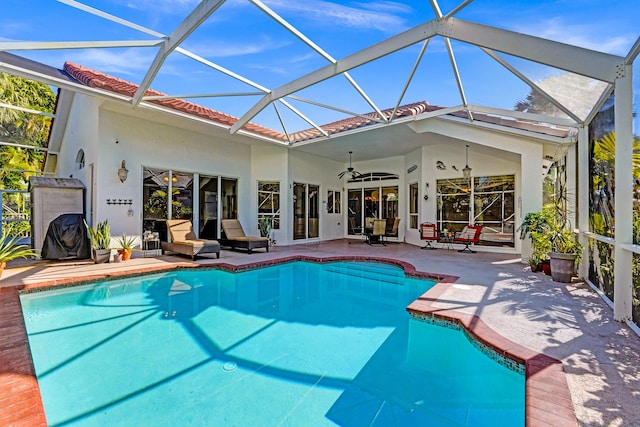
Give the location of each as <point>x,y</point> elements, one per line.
<point>180,230</point>
<point>232,228</point>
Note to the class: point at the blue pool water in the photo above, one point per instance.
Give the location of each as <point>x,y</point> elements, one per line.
<point>299,344</point>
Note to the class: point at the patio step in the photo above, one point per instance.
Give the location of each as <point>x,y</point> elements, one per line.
<point>372,271</point>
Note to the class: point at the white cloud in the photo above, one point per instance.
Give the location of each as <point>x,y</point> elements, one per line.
<point>386,6</point>
<point>224,49</point>
<point>128,62</point>
<point>580,35</point>
<point>165,6</point>
<point>379,16</point>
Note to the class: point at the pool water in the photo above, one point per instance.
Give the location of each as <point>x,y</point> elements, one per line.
<point>298,344</point>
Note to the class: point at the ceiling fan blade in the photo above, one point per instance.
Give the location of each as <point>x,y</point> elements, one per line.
<point>341,174</point>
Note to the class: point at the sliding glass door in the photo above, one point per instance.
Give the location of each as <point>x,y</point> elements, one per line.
<point>371,202</point>
<point>306,211</point>
<point>169,194</point>
<point>208,209</point>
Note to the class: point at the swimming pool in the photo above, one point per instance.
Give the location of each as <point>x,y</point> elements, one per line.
<point>295,344</point>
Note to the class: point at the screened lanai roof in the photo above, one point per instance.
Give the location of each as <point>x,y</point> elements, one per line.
<point>291,67</point>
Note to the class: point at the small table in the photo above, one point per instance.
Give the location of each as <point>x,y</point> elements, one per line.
<point>151,244</point>
<point>447,241</point>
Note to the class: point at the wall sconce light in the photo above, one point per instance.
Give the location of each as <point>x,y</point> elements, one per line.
<point>123,173</point>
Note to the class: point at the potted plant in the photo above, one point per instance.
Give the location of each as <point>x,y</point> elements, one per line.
<point>566,253</point>
<point>264,224</point>
<point>551,239</point>
<point>127,244</point>
<point>100,237</point>
<point>535,225</point>
<point>10,249</point>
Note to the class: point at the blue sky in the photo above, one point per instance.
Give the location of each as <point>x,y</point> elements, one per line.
<point>244,40</point>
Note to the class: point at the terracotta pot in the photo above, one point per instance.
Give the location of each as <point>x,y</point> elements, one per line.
<point>126,254</point>
<point>2,266</point>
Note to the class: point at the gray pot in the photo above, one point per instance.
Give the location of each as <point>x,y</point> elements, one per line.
<point>101,256</point>
<point>563,266</point>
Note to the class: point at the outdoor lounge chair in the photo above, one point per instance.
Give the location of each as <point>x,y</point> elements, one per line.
<point>234,237</point>
<point>429,233</point>
<point>185,242</point>
<point>468,236</point>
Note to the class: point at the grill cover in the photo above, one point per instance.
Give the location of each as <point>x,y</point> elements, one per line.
<point>66,238</point>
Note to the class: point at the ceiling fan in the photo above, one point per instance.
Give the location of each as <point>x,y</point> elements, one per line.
<point>354,173</point>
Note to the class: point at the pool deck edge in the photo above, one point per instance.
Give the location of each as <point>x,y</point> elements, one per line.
<point>547,396</point>
<point>548,400</point>
<point>20,401</point>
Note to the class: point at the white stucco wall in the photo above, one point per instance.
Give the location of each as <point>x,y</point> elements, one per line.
<point>81,132</point>
<point>416,176</point>
<point>305,168</point>
<point>149,144</point>
<point>270,163</point>
<point>490,153</point>
<point>156,140</point>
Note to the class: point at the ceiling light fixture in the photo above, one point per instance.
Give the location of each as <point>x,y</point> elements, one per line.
<point>466,171</point>
<point>354,173</point>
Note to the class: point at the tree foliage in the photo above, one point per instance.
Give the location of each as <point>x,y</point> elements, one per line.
<point>20,127</point>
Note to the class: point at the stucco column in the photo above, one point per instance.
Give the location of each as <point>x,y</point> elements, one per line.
<point>530,195</point>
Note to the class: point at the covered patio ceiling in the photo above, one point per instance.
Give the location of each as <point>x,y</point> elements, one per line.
<point>442,52</point>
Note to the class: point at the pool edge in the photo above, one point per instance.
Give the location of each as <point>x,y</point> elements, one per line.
<point>547,397</point>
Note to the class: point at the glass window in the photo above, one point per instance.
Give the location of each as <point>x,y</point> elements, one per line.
<point>229,198</point>
<point>208,218</point>
<point>80,159</point>
<point>389,202</point>
<point>490,202</point>
<point>155,200</point>
<point>494,208</point>
<point>413,205</point>
<point>333,201</point>
<point>181,195</point>
<point>269,202</point>
<point>354,214</point>
<point>454,196</point>
<point>371,205</point>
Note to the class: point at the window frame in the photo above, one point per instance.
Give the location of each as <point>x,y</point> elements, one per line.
<point>274,197</point>
<point>334,201</point>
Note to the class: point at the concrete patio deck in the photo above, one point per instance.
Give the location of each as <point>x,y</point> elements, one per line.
<point>568,322</point>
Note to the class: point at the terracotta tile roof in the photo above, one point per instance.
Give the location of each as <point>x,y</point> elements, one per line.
<point>103,81</point>
<point>361,121</point>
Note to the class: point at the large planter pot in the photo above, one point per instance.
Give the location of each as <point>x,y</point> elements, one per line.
<point>101,256</point>
<point>563,266</point>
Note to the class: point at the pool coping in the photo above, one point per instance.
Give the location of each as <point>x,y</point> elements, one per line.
<point>547,397</point>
